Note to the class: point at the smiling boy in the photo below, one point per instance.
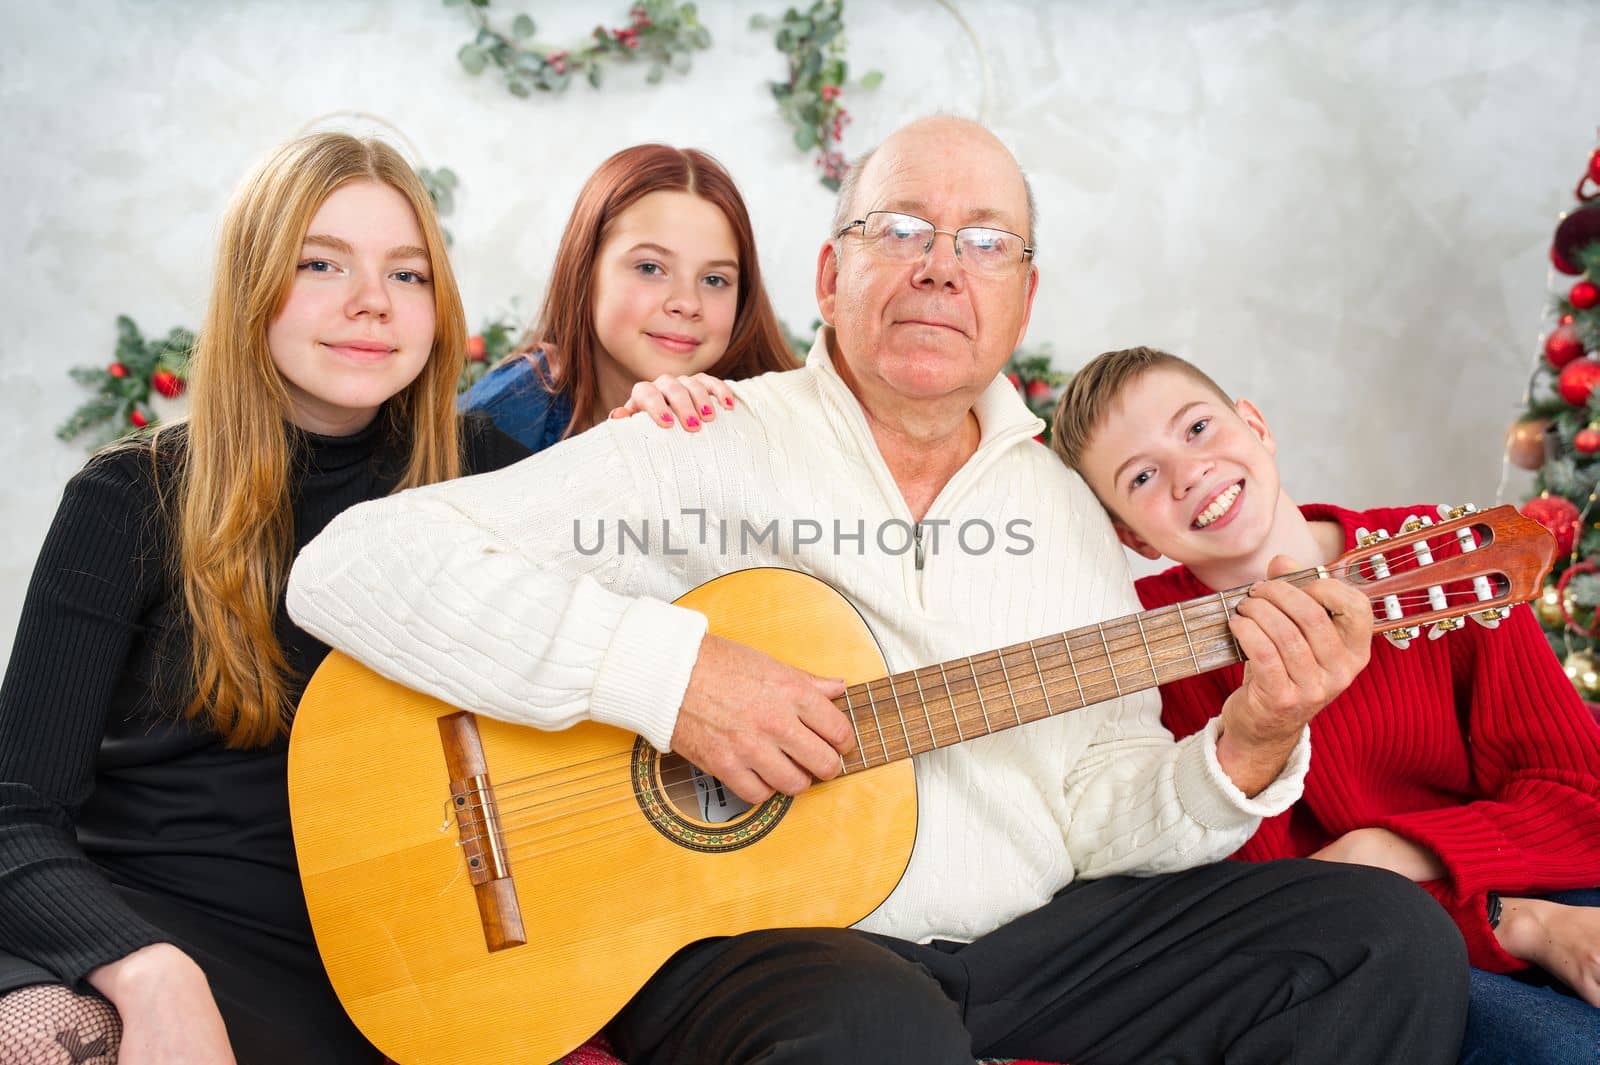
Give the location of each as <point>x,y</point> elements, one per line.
<point>1467,764</point>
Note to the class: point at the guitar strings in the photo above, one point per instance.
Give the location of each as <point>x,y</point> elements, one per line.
<point>1085,679</point>
<point>1209,613</point>
<point>524,846</point>
<point>910,727</point>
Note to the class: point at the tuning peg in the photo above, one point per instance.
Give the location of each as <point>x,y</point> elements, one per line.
<point>1402,638</point>
<point>1449,513</point>
<point>1491,618</point>
<point>1442,626</point>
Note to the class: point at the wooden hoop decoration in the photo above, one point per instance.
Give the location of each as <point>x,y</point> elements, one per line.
<point>1592,630</point>
<point>321,121</point>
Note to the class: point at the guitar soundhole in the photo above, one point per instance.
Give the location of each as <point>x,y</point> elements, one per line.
<point>694,809</point>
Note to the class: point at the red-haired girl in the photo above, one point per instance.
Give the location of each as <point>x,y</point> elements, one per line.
<point>655,279</point>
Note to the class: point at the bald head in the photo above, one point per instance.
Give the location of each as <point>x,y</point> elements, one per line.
<point>932,137</point>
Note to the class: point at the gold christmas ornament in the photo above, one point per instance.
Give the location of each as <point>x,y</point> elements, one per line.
<point>1548,608</point>
<point>1525,442</point>
<point>1584,673</point>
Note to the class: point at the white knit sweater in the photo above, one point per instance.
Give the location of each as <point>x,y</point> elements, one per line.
<point>487,593</point>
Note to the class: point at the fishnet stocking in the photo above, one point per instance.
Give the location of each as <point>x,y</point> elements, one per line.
<point>50,1024</point>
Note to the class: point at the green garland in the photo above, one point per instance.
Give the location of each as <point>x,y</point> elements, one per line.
<point>666,33</point>
<point>809,99</point>
<point>663,32</point>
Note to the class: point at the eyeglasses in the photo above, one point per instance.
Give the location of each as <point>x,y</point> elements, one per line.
<point>906,238</point>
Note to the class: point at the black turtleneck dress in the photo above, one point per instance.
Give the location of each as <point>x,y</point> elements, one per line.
<point>121,823</point>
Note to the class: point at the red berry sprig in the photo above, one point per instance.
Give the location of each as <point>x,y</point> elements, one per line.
<point>120,391</point>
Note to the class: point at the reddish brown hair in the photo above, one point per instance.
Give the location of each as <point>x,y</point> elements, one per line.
<point>565,327</point>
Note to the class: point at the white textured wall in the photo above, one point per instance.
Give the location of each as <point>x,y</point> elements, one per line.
<point>1341,208</point>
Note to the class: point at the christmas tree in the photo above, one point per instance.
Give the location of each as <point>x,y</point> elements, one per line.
<point>1558,437</point>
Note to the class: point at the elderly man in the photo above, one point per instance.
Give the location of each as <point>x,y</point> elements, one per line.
<point>1053,906</point>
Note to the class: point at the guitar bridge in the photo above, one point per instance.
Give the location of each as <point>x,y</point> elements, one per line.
<point>482,845</point>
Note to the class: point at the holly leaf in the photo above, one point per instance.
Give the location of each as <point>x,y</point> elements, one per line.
<point>872,79</point>
<point>522,26</point>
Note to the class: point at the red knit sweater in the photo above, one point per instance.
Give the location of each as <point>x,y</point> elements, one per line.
<point>1474,745</point>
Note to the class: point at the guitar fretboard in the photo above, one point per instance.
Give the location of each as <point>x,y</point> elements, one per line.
<point>920,710</point>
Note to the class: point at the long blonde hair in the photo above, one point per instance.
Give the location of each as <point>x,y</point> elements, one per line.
<point>232,523</point>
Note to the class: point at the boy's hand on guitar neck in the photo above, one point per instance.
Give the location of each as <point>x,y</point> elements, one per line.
<point>758,725</point>
<point>1303,646</point>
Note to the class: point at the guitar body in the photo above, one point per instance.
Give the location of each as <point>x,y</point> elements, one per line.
<point>611,868</point>
<point>487,892</point>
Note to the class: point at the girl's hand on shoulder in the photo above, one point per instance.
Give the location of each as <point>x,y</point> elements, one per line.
<point>683,400</point>
<point>168,1014</point>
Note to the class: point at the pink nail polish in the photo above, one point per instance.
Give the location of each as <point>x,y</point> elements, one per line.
<point>706,409</point>
<point>666,419</point>
<point>727,401</point>
<point>691,421</point>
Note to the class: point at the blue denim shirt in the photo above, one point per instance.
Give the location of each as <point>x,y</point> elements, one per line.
<point>514,397</point>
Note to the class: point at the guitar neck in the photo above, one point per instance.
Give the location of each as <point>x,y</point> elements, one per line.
<point>920,710</point>
<point>1470,564</point>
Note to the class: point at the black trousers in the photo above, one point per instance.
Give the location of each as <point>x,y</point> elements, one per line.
<point>1293,961</point>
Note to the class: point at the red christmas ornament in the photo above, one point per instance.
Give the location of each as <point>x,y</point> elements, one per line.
<point>1558,515</point>
<point>1587,441</point>
<point>1561,264</point>
<point>1577,380</point>
<point>138,419</point>
<point>1592,174</point>
<point>1566,319</point>
<point>477,351</point>
<point>1016,382</point>
<point>1038,389</point>
<point>116,369</point>
<point>167,383</point>
<point>1563,346</point>
<point>1584,295</point>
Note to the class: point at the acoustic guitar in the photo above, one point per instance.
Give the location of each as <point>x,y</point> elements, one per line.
<point>487,892</point>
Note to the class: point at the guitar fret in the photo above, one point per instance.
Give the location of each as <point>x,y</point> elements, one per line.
<point>933,738</point>
<point>1110,665</point>
<point>1225,628</point>
<point>1187,638</point>
<point>859,749</point>
<point>1138,619</point>
<point>1048,709</point>
<point>1072,665</point>
<point>901,714</point>
<point>1005,675</point>
<point>977,687</point>
<point>948,694</point>
<point>877,724</point>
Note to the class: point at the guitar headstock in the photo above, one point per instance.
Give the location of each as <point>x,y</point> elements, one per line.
<point>1437,570</point>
